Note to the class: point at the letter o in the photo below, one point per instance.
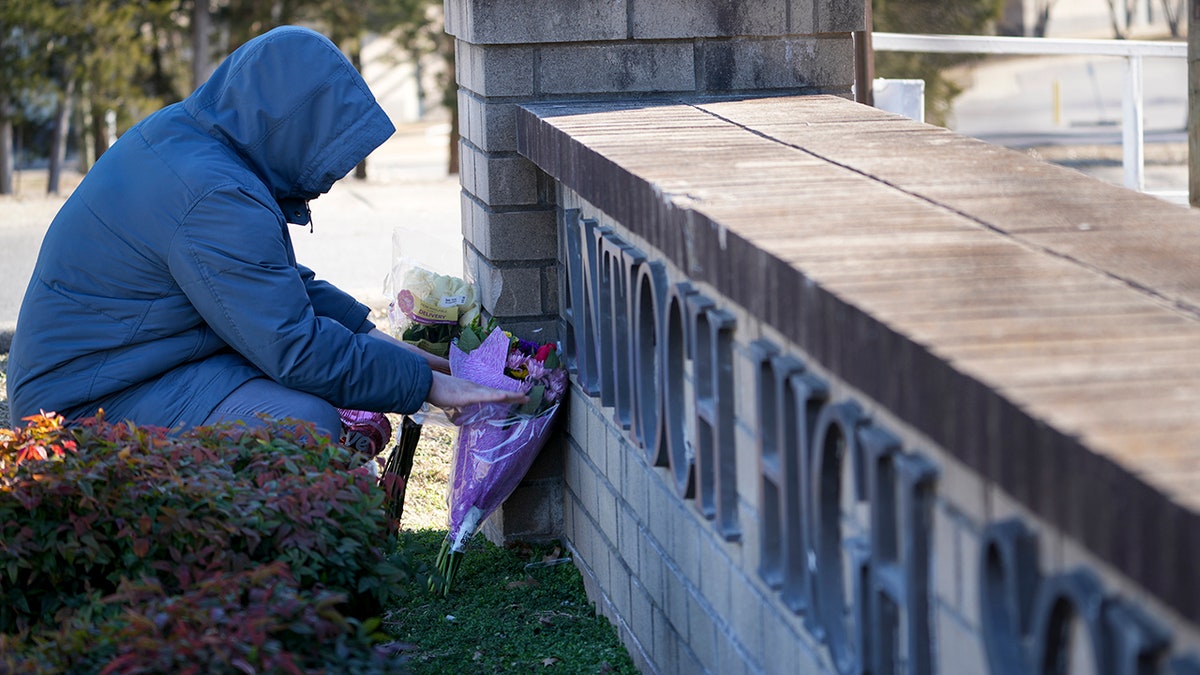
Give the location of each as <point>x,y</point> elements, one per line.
<point>1008,581</point>
<point>673,353</point>
<point>1064,597</point>
<point>648,306</point>
<point>834,438</point>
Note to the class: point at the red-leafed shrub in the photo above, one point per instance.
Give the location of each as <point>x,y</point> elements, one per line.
<point>124,547</point>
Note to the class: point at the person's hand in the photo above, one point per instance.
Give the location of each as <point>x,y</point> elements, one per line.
<point>454,393</point>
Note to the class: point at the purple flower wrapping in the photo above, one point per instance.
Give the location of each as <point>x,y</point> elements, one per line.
<point>496,445</point>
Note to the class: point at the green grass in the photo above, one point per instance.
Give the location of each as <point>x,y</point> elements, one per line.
<point>510,612</point>
<point>506,618</point>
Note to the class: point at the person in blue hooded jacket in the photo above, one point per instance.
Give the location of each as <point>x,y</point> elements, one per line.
<point>166,291</point>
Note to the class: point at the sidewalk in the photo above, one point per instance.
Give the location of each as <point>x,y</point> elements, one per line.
<point>351,246</point>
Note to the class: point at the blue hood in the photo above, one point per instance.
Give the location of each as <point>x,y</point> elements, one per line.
<point>299,135</point>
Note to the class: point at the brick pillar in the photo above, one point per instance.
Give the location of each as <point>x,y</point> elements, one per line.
<point>510,52</point>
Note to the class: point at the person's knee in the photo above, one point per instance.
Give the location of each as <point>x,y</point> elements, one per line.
<point>322,415</point>
<point>261,398</point>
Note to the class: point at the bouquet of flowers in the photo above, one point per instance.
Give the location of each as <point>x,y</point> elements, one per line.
<point>496,443</point>
<point>429,309</point>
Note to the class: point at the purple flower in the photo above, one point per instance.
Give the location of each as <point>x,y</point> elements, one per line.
<point>526,347</point>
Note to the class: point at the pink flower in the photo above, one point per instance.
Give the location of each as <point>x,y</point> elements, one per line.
<point>556,385</point>
<point>537,369</point>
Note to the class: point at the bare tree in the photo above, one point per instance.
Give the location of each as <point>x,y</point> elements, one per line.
<point>23,36</point>
<point>201,32</point>
<point>62,125</point>
<point>1173,9</point>
<point>1120,12</point>
<point>1041,18</point>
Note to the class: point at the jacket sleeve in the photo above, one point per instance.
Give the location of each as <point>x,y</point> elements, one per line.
<point>331,301</point>
<point>230,258</point>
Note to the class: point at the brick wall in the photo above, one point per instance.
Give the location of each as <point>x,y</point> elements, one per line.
<point>915,397</point>
<point>862,312</point>
<point>512,52</point>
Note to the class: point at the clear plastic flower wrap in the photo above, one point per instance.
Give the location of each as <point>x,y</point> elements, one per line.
<point>496,443</point>
<point>429,309</point>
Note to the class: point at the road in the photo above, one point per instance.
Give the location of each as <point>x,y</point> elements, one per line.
<point>1011,101</point>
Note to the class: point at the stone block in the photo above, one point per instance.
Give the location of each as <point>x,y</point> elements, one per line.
<point>617,451</point>
<point>500,180</point>
<point>947,560</point>
<point>957,649</point>
<point>523,22</point>
<point>633,491</point>
<point>641,610</point>
<point>585,490</point>
<point>685,546</point>
<point>666,644</point>
<point>505,291</point>
<point>577,417</point>
<point>963,489</point>
<point>746,615</point>
<point>751,544</point>
<point>714,576</point>
<point>687,661</point>
<point>468,216</point>
<point>579,529</point>
<point>597,445</point>
<point>802,16</point>
<point>606,511</point>
<point>550,464</point>
<point>617,68</point>
<point>570,509</point>
<point>775,64</point>
<point>746,404</point>
<point>493,71</point>
<point>840,16</point>
<point>660,515</point>
<point>550,299</point>
<point>619,584</point>
<point>729,658</point>
<point>969,560</point>
<point>702,634</point>
<point>467,159</point>
<point>686,19</point>
<point>538,330</point>
<point>746,448</point>
<point>600,562</point>
<point>651,569</point>
<point>786,653</point>
<point>490,126</point>
<point>533,512</point>
<point>677,600</point>
<point>521,235</point>
<point>628,539</point>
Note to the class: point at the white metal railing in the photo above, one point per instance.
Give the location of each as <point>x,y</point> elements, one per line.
<point>1133,51</point>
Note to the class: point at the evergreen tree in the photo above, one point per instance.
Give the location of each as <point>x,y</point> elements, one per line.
<point>121,58</point>
<point>24,36</point>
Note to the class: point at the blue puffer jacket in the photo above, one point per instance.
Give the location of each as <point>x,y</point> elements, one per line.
<point>168,278</point>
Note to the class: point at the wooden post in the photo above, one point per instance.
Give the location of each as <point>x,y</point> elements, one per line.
<point>864,61</point>
<point>1194,103</point>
